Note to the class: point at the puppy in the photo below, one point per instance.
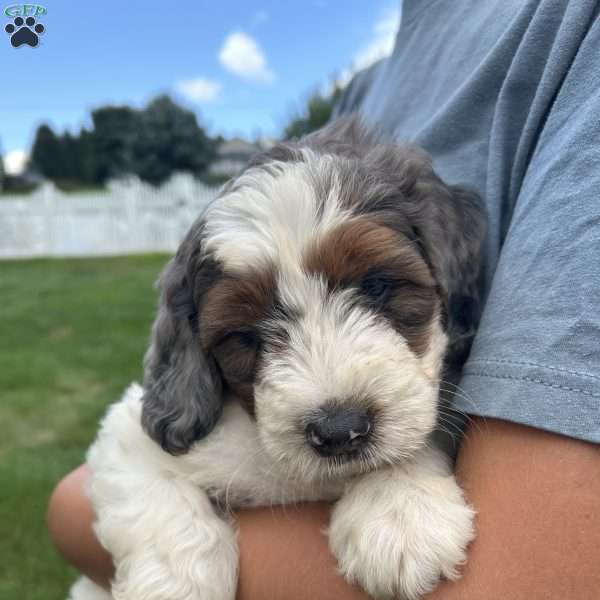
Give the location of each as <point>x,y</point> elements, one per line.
<point>303,329</point>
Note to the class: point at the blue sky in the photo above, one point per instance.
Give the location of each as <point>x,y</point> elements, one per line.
<point>243,66</point>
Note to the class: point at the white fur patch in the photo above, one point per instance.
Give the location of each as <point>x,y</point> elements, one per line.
<point>396,531</point>
<point>85,589</point>
<point>271,214</point>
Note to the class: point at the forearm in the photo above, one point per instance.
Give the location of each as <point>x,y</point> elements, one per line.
<point>538,527</point>
<point>538,523</point>
<point>284,555</point>
<point>70,519</point>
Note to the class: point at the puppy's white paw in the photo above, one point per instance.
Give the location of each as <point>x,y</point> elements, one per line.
<point>85,589</point>
<point>155,574</point>
<point>396,539</point>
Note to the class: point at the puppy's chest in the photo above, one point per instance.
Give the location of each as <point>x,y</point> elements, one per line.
<point>231,466</point>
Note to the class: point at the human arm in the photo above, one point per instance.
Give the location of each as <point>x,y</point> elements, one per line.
<point>538,527</point>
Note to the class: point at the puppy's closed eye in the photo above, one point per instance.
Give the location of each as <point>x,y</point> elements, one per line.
<point>376,288</point>
<point>236,355</point>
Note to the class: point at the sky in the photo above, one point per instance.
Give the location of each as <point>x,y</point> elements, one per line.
<point>244,67</point>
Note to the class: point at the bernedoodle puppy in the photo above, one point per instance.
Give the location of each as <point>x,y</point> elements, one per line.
<point>304,329</point>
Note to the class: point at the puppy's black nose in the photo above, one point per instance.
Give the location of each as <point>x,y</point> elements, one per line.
<point>338,431</point>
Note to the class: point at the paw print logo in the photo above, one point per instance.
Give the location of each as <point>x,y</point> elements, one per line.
<point>24,32</point>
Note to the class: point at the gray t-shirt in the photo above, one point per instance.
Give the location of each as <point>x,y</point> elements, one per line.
<point>505,95</point>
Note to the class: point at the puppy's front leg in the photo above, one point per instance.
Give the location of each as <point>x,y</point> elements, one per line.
<point>167,541</point>
<point>396,531</point>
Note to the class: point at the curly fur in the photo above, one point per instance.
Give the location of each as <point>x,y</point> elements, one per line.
<point>334,271</point>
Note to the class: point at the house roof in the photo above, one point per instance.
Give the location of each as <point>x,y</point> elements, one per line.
<point>237,147</point>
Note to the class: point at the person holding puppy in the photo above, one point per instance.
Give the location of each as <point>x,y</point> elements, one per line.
<point>505,96</point>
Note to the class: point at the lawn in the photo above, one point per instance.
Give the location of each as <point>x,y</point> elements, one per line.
<point>72,336</point>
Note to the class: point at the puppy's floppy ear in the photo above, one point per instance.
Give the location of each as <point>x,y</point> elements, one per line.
<point>183,391</point>
<point>449,224</point>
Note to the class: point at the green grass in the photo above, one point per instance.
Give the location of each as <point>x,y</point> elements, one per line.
<point>72,336</point>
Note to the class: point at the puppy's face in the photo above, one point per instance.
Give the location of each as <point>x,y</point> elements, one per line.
<point>325,321</point>
<point>313,297</point>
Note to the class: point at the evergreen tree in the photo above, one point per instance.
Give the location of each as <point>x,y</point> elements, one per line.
<point>115,131</point>
<point>47,153</point>
<point>89,169</point>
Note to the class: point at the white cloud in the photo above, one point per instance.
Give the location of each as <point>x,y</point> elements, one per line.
<point>242,56</point>
<point>380,45</point>
<point>15,161</point>
<point>199,90</point>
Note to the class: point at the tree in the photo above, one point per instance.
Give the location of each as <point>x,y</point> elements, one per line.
<point>47,153</point>
<point>169,140</point>
<point>71,157</point>
<point>151,143</point>
<point>64,159</point>
<point>318,112</point>
<point>89,169</point>
<point>114,135</point>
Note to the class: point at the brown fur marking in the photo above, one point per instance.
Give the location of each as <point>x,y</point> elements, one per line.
<point>362,249</point>
<point>231,313</point>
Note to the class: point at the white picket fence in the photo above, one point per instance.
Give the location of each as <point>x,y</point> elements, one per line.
<point>130,217</point>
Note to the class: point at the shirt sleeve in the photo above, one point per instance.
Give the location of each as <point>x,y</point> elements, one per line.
<point>536,357</point>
